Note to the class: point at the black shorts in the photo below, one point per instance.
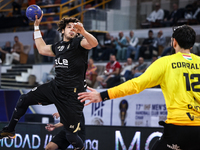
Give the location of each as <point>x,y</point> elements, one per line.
<point>60,138</point>
<point>65,100</point>
<point>178,138</point>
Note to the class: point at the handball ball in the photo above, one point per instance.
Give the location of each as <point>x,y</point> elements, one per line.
<point>33,10</point>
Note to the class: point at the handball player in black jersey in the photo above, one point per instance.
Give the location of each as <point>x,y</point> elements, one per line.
<point>71,55</point>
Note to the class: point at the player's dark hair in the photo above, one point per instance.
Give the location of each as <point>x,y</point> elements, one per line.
<point>185,36</point>
<point>64,21</point>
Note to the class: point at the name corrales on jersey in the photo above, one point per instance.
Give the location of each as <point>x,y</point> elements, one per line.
<point>176,65</point>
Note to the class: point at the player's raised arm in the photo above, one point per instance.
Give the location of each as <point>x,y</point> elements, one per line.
<point>43,49</point>
<point>89,41</point>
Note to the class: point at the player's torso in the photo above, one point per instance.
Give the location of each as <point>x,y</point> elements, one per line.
<point>181,88</point>
<point>71,64</point>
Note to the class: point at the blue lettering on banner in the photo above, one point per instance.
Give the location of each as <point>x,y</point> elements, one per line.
<point>154,113</point>
<point>139,117</point>
<point>163,113</point>
<point>142,112</point>
<point>158,107</point>
<point>97,109</point>
<point>139,106</point>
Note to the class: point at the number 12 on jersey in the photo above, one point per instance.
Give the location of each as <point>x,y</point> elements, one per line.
<point>188,79</point>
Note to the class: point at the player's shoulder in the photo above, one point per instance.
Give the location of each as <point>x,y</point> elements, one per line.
<point>59,43</point>
<point>171,57</point>
<point>194,56</point>
<point>180,56</point>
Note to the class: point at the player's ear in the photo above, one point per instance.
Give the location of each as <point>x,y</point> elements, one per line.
<point>63,31</point>
<point>175,43</point>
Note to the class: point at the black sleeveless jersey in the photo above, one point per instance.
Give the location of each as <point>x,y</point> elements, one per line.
<point>70,63</point>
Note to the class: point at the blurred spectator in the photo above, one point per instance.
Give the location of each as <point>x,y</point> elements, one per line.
<point>133,47</point>
<point>188,12</point>
<point>139,69</point>
<point>107,47</point>
<point>91,73</point>
<point>15,52</point>
<point>37,56</point>
<point>157,14</point>
<point>126,69</point>
<point>93,3</point>
<point>196,49</point>
<point>49,38</point>
<point>112,69</point>
<point>161,42</point>
<point>154,58</point>
<point>166,51</point>
<point>96,2</point>
<point>31,2</point>
<point>197,11</point>
<point>74,11</point>
<point>121,48</point>
<point>46,77</point>
<point>149,44</point>
<point>4,50</point>
<point>173,17</point>
<point>17,7</point>
<point>41,2</point>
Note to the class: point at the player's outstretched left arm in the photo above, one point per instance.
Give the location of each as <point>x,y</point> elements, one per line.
<point>89,41</point>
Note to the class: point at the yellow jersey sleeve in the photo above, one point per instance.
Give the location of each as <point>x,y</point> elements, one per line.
<point>151,77</point>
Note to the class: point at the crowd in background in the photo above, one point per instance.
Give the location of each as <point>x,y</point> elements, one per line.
<point>126,57</point>
<point>159,17</point>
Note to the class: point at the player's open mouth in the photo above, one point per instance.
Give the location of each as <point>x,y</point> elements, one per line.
<point>71,33</point>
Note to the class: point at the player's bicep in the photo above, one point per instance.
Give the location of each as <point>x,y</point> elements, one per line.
<point>85,44</point>
<point>47,51</point>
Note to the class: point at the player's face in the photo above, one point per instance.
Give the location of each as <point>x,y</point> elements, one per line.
<point>68,32</point>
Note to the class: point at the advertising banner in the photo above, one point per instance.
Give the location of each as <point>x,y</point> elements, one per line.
<point>143,109</point>
<point>34,136</point>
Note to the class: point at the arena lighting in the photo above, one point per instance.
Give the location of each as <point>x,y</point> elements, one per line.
<point>135,141</point>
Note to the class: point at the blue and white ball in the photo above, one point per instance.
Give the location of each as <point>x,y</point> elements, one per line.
<point>33,10</point>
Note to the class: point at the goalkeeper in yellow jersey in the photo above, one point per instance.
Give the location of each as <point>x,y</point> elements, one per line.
<point>179,78</point>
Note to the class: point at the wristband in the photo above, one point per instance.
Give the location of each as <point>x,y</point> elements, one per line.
<point>104,95</point>
<point>37,34</point>
<point>36,27</point>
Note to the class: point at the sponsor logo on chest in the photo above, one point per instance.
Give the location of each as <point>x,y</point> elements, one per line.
<point>61,62</point>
